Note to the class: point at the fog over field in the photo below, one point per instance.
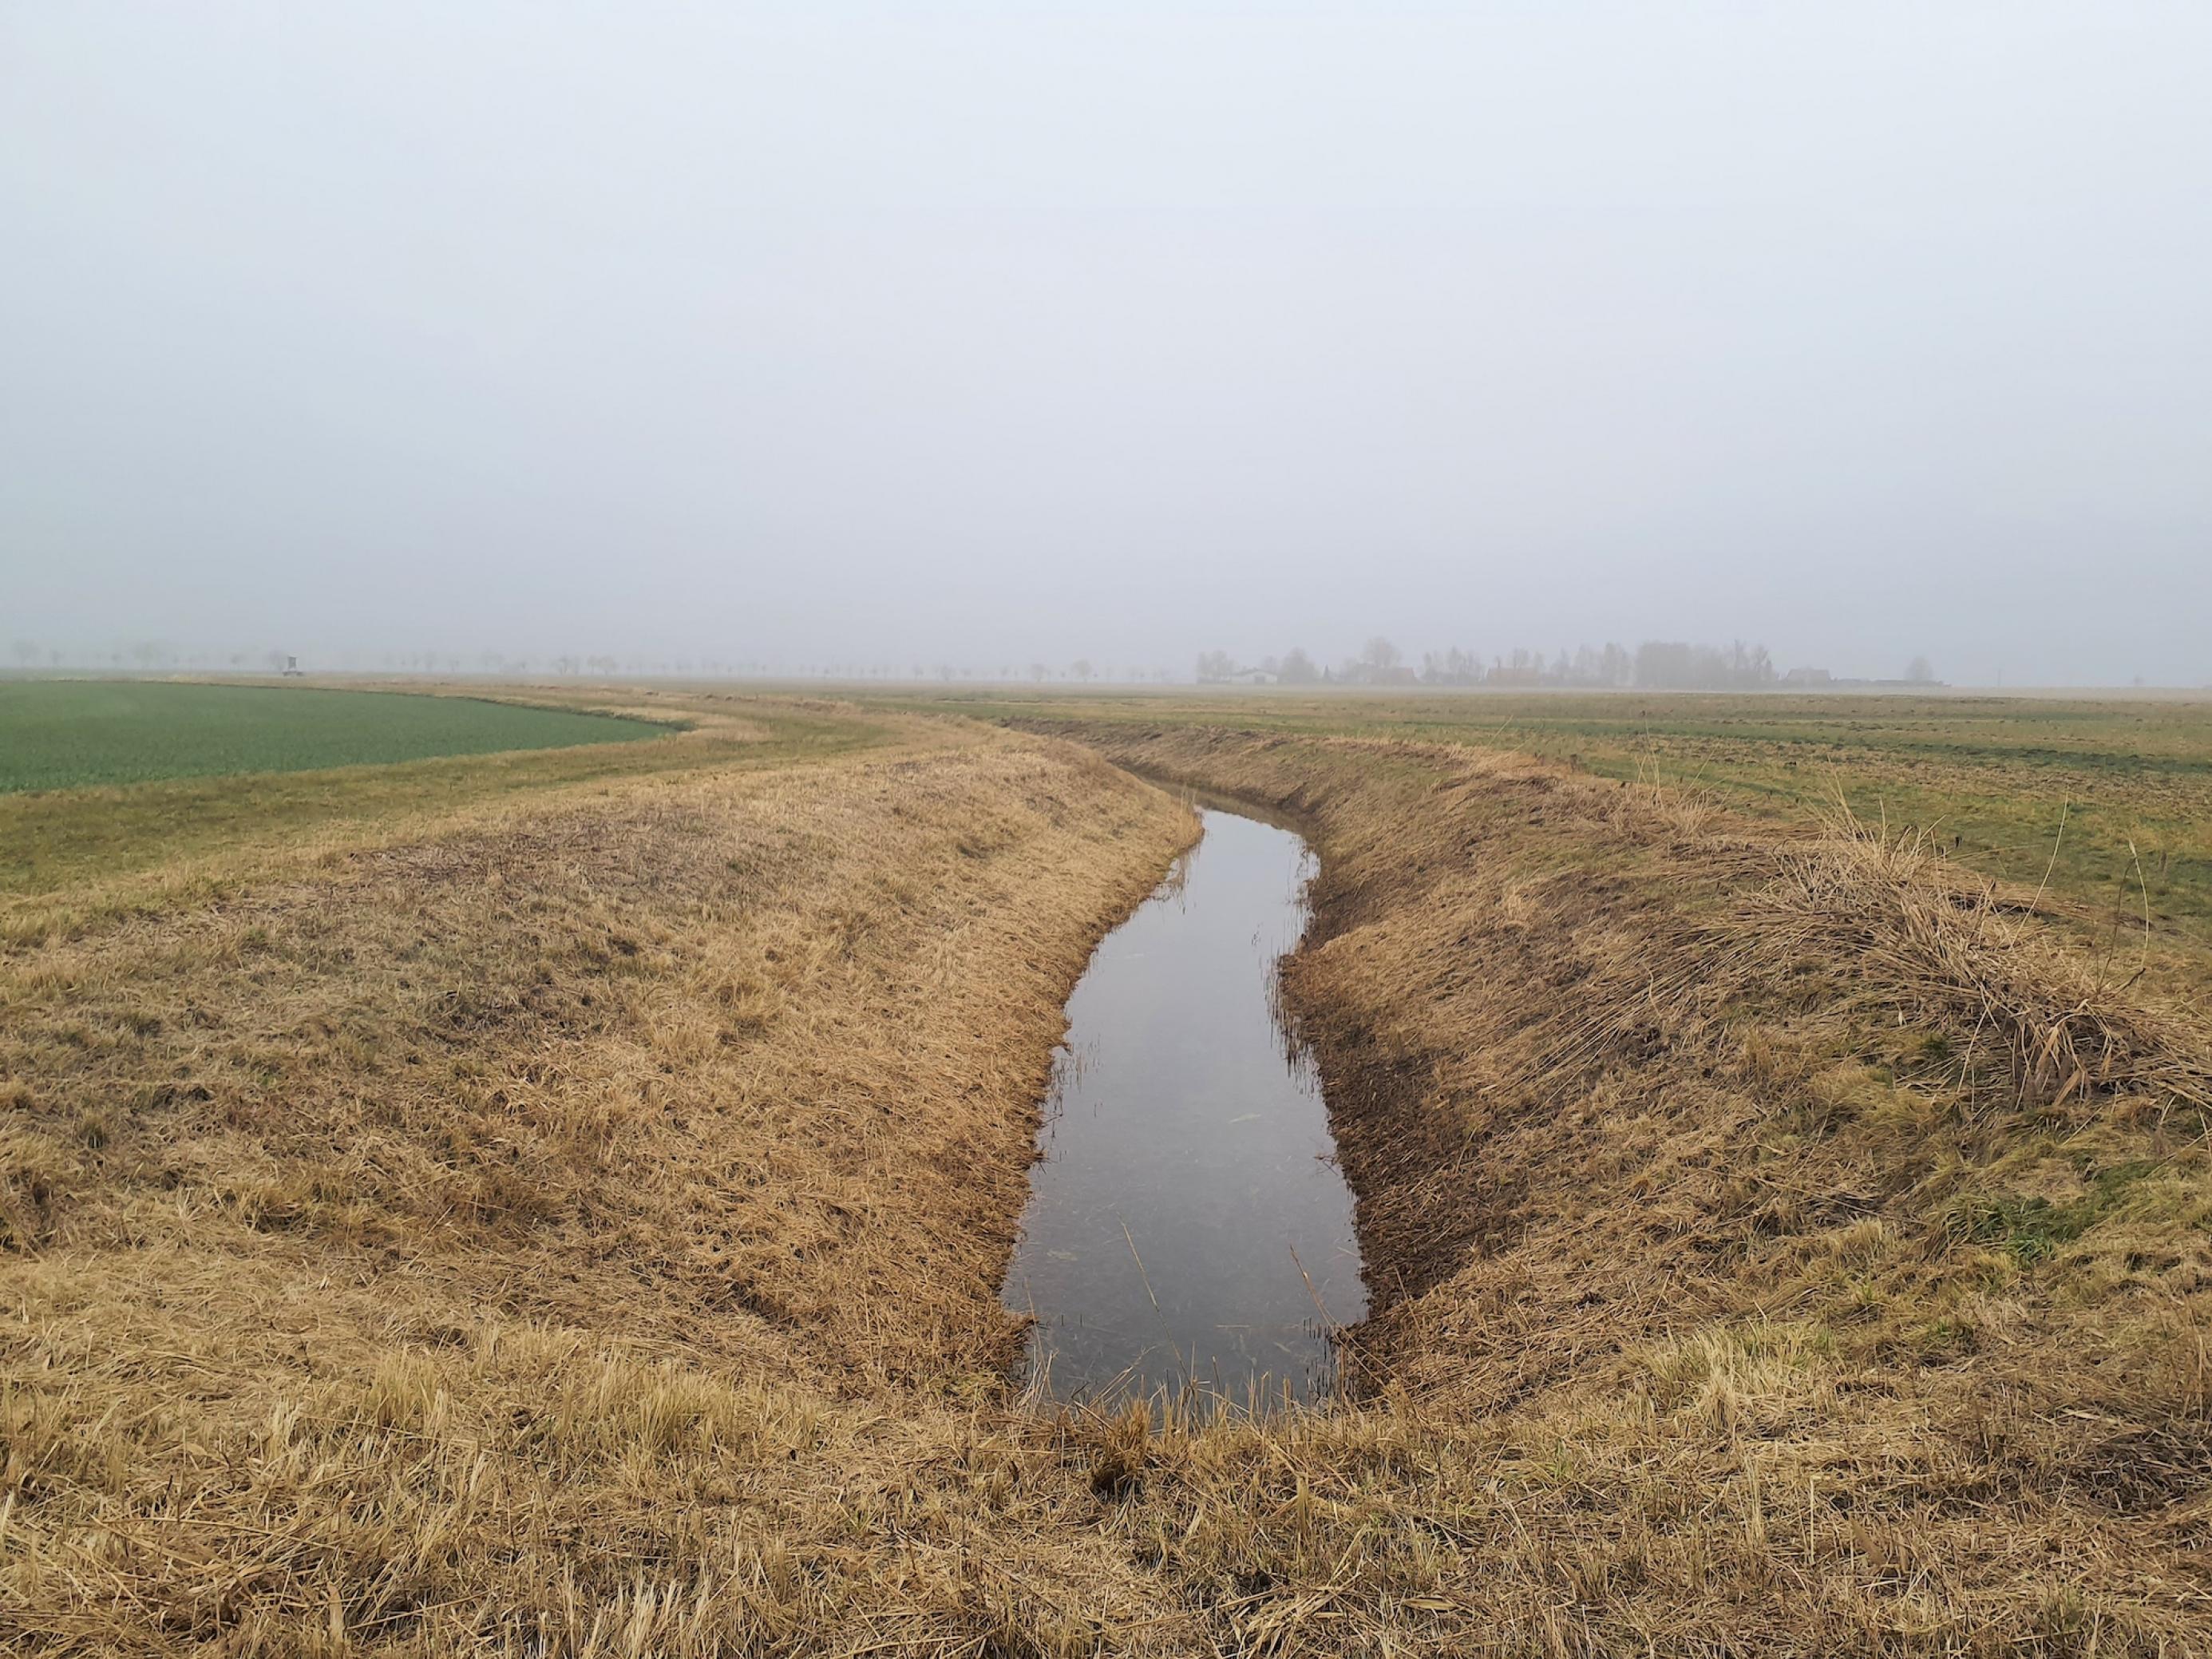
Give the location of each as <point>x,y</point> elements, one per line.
<point>987,335</point>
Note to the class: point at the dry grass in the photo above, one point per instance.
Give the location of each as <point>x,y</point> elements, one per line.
<point>1756,1270</point>
<point>1952,950</point>
<point>572,1225</point>
<point>1992,778</point>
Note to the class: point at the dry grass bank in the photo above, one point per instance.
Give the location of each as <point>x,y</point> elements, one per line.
<point>2111,798</point>
<point>572,1225</point>
<point>1781,1245</point>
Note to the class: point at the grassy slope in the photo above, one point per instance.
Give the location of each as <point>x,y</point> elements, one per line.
<point>1989,775</point>
<point>72,734</point>
<point>574,1216</point>
<point>78,841</point>
<point>1756,1268</point>
<point>550,1213</point>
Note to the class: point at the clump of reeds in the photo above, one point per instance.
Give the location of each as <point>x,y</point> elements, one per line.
<point>1926,936</point>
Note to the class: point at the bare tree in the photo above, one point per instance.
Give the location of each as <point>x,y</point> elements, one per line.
<point>1674,664</point>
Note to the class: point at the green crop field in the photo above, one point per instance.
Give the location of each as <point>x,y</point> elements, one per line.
<point>69,734</point>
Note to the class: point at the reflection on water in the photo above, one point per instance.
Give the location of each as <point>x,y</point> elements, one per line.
<point>1187,1230</point>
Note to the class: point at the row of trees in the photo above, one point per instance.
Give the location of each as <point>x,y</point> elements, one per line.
<point>1380,662</point>
<point>1657,665</point>
<point>148,655</point>
<point>156,656</point>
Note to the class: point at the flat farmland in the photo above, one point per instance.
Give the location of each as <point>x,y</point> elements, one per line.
<point>2111,798</point>
<point>71,734</point>
<point>485,1202</point>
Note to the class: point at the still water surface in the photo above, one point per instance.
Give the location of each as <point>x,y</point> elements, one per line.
<point>1187,1230</point>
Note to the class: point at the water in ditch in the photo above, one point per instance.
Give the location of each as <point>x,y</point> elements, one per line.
<point>1189,1235</point>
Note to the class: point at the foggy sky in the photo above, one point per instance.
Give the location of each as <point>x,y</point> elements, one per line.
<point>989,333</point>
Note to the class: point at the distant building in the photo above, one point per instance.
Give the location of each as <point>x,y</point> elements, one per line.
<point>292,667</point>
<point>1807,677</point>
<point>1251,676</point>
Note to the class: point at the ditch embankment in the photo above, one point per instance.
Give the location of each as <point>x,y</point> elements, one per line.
<point>1815,1243</point>
<point>570,1220</point>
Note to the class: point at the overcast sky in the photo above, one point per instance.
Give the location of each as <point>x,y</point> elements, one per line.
<point>990,333</point>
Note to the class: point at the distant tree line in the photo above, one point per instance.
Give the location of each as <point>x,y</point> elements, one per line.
<point>1657,665</point>
<point>156,656</point>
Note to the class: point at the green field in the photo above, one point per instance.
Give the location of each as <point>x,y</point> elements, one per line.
<point>72,734</point>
